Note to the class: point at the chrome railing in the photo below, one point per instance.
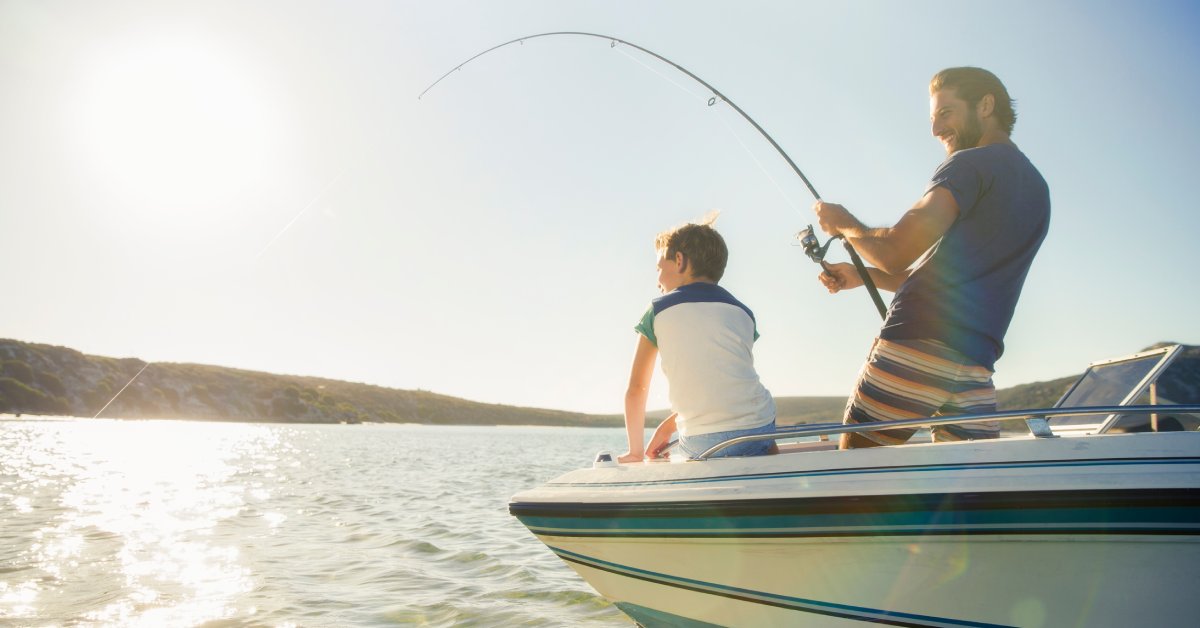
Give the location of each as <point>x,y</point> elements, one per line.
<point>1037,420</point>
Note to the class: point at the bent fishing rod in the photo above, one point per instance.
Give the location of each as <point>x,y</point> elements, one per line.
<point>811,246</point>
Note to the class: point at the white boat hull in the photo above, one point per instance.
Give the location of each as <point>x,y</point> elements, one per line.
<point>1103,531</point>
<point>983,581</point>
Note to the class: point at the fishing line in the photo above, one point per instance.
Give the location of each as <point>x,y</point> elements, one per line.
<point>787,199</point>
<point>302,212</point>
<point>114,397</point>
<point>613,41</point>
<point>868,283</point>
<point>260,253</point>
<point>661,75</point>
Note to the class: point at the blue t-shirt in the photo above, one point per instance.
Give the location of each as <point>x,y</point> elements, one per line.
<point>964,290</point>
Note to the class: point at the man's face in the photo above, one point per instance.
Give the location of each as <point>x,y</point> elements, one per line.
<point>954,121</point>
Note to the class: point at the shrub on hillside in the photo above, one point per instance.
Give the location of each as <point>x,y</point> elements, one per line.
<point>95,398</point>
<point>23,398</point>
<point>18,370</point>
<point>170,395</point>
<point>287,408</point>
<point>50,383</point>
<point>200,393</point>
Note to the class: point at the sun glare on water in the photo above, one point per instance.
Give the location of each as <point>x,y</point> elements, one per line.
<point>144,502</point>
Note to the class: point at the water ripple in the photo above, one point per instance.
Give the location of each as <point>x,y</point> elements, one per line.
<point>224,525</point>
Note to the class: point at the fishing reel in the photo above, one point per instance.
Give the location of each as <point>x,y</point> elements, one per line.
<point>812,245</point>
<point>816,252</point>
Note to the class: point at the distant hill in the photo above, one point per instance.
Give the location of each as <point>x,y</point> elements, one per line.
<point>50,380</point>
<point>45,379</point>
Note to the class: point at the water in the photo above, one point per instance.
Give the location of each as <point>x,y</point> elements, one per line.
<point>164,523</point>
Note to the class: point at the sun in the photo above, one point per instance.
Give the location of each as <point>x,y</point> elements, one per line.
<point>174,123</point>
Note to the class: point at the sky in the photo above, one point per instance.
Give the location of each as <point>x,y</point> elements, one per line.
<point>256,184</point>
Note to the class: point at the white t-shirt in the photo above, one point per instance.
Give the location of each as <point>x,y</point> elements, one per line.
<point>706,338</point>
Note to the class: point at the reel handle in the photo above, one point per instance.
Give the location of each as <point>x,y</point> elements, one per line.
<point>816,252</point>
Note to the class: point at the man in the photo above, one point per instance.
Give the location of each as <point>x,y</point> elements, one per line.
<point>956,261</point>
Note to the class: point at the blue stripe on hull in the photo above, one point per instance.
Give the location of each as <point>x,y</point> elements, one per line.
<point>816,607</point>
<point>1147,512</point>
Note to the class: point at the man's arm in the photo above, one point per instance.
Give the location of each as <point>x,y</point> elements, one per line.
<point>893,249</point>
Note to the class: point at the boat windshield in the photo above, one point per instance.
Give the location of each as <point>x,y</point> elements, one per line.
<point>1113,383</point>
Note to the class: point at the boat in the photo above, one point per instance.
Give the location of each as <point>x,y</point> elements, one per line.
<point>1091,518</point>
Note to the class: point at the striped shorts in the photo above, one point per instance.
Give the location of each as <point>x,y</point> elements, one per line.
<point>909,379</point>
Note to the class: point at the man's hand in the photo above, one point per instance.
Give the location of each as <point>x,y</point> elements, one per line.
<point>838,277</point>
<point>834,219</point>
<point>893,250</point>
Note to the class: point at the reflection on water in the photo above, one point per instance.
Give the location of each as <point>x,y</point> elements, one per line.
<point>152,523</point>
<point>88,500</point>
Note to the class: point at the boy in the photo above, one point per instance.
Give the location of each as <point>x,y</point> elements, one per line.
<point>706,337</point>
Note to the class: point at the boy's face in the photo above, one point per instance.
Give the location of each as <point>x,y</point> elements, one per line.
<point>670,272</point>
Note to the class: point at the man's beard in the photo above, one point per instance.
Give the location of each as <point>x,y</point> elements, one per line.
<point>970,134</point>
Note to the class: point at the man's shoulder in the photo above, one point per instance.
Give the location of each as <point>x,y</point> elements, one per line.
<point>983,163</point>
<point>984,157</point>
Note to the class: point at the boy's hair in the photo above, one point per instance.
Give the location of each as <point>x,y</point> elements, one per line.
<point>971,85</point>
<point>702,247</point>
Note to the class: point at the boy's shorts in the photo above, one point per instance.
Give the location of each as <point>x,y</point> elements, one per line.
<point>909,379</point>
<point>693,446</point>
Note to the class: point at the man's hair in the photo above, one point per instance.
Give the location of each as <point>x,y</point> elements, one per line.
<point>702,247</point>
<point>971,85</point>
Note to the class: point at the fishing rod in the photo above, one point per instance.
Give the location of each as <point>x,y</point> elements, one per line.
<point>717,95</point>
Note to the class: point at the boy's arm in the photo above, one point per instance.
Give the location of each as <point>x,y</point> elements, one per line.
<point>635,399</point>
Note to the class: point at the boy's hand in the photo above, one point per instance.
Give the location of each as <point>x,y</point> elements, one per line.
<point>657,444</point>
<point>661,437</point>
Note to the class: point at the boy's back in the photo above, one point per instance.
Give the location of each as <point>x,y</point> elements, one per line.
<point>706,337</point>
